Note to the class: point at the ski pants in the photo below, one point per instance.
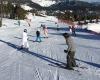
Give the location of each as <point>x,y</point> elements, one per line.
<point>70,59</point>
<point>46,34</point>
<point>25,44</point>
<point>38,39</point>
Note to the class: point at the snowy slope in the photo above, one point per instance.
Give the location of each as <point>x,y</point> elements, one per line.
<point>40,62</point>
<point>44,2</point>
<point>95,27</point>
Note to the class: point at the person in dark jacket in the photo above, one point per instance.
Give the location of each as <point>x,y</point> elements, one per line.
<point>73,31</point>
<point>71,52</point>
<point>38,38</point>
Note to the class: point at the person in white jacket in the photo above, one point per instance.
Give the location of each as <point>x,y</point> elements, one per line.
<point>25,40</point>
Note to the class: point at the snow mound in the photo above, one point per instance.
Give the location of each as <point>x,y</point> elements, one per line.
<point>25,7</point>
<point>94,27</point>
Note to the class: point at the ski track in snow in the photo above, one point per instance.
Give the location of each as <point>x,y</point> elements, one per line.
<point>42,60</point>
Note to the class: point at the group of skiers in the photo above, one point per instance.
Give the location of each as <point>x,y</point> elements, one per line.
<point>38,36</point>
<point>69,41</point>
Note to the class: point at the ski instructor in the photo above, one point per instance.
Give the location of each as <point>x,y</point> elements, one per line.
<point>71,52</point>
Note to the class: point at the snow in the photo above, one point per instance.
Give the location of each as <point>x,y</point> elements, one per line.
<point>25,7</point>
<point>40,62</point>
<point>93,27</point>
<point>44,2</point>
<point>29,16</point>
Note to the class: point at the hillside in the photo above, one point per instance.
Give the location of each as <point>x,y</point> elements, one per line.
<point>45,60</point>
<point>73,5</point>
<point>29,3</point>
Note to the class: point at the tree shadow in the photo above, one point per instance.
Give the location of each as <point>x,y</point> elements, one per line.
<point>85,46</point>
<point>61,34</point>
<point>90,63</point>
<point>45,58</point>
<point>67,29</point>
<point>82,30</point>
<point>89,36</point>
<point>48,59</point>
<point>62,29</point>
<point>84,36</point>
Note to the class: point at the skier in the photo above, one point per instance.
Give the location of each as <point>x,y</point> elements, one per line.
<point>38,38</point>
<point>70,29</point>
<point>28,21</point>
<point>71,52</point>
<point>19,22</point>
<point>45,30</point>
<point>57,26</point>
<point>41,25</point>
<point>25,40</point>
<point>73,31</point>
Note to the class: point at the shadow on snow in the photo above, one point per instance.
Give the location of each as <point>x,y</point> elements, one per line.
<point>48,59</point>
<point>80,34</point>
<point>88,36</point>
<point>90,63</point>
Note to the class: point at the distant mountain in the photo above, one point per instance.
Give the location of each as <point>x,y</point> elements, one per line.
<point>63,5</point>
<point>96,3</point>
<point>56,4</point>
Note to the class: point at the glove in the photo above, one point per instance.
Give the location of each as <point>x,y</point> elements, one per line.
<point>65,51</point>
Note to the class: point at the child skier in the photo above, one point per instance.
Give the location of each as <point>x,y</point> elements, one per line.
<point>57,26</point>
<point>19,22</point>
<point>25,40</point>
<point>38,38</point>
<point>73,31</point>
<point>70,29</point>
<point>45,30</point>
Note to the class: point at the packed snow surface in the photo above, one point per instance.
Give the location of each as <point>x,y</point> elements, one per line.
<point>44,61</point>
<point>94,27</point>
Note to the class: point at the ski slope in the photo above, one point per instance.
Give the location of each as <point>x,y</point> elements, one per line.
<point>44,61</point>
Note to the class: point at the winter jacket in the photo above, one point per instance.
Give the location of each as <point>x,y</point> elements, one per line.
<point>25,37</point>
<point>37,33</point>
<point>70,43</point>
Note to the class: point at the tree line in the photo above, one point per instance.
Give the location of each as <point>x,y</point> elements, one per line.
<point>12,11</point>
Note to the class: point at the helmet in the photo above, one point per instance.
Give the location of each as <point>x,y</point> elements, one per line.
<point>25,30</point>
<point>66,35</point>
